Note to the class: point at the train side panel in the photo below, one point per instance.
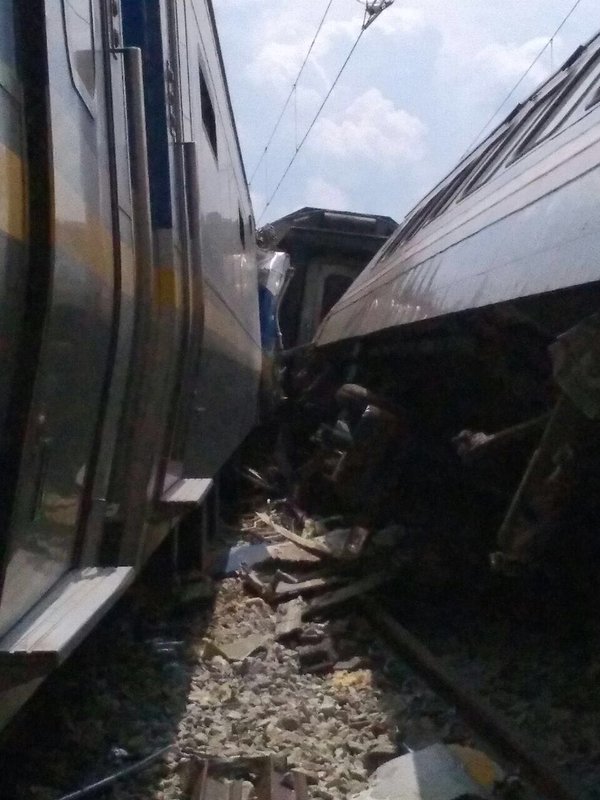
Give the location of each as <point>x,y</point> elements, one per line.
<point>58,455</point>
<point>226,382</point>
<point>517,218</point>
<point>130,306</point>
<point>198,397</point>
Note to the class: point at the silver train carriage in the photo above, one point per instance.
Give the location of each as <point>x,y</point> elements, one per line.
<point>517,222</point>
<point>478,321</point>
<point>130,340</point>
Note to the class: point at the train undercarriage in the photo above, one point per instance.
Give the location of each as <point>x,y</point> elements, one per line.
<point>478,433</point>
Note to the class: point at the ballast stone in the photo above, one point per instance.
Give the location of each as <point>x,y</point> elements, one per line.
<point>434,773</point>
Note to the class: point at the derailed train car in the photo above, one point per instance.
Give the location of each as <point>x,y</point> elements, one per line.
<point>130,339</point>
<point>470,392</point>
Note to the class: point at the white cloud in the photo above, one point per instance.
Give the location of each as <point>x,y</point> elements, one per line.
<point>400,19</point>
<point>285,44</point>
<point>287,35</point>
<point>373,128</point>
<point>321,194</point>
<point>508,62</point>
<point>427,73</point>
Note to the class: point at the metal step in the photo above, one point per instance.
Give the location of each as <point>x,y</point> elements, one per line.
<point>54,627</point>
<point>187,492</point>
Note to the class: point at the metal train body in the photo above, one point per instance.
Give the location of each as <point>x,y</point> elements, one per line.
<point>130,341</point>
<point>517,222</point>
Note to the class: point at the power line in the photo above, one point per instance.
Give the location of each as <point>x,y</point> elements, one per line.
<point>548,44</point>
<point>312,124</point>
<point>372,11</point>
<point>292,91</point>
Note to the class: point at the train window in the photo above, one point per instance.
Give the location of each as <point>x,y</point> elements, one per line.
<point>595,98</point>
<point>208,113</point>
<point>568,106</point>
<point>79,34</point>
<point>334,287</point>
<point>242,229</point>
<point>487,163</point>
<point>513,137</point>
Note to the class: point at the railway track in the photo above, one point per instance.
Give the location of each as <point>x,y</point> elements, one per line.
<point>145,681</point>
<point>502,738</point>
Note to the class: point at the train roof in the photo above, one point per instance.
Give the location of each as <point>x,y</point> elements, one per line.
<point>358,234</point>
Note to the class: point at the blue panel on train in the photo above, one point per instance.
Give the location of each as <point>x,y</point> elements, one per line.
<point>268,322</point>
<point>142,28</point>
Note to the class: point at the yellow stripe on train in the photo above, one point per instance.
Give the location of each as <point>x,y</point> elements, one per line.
<point>13,219</point>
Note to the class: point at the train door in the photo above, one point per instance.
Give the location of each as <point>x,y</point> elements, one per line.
<point>186,234</point>
<point>324,284</point>
<point>73,357</point>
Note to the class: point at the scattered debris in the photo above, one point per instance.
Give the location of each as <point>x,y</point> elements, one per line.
<point>237,650</point>
<point>436,773</point>
<point>356,662</point>
<point>318,658</point>
<point>312,585</point>
<point>264,778</point>
<point>286,577</point>
<point>289,553</point>
<point>239,557</point>
<point>313,547</point>
<point>255,584</point>
<point>315,632</point>
<point>246,556</point>
<point>345,543</point>
<point>105,783</point>
<point>358,679</point>
<point>289,618</point>
<point>256,479</point>
<point>359,587</point>
<point>471,445</point>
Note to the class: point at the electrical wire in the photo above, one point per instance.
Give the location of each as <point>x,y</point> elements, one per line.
<point>99,786</point>
<point>312,124</point>
<point>523,76</point>
<point>292,91</point>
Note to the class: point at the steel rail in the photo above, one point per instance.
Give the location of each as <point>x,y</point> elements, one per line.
<point>482,717</point>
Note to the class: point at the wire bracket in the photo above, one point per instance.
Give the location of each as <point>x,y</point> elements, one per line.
<point>372,10</point>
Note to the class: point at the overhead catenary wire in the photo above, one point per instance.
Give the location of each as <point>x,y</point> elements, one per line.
<point>292,91</point>
<point>312,124</point>
<point>372,11</point>
<point>548,44</point>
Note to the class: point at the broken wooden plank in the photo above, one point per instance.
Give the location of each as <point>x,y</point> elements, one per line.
<point>359,587</point>
<point>318,658</point>
<point>253,582</point>
<point>290,553</point>
<point>289,618</point>
<point>345,543</point>
<point>286,577</point>
<point>284,589</point>
<point>313,547</point>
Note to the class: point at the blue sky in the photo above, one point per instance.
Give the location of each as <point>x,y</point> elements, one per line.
<point>424,79</point>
